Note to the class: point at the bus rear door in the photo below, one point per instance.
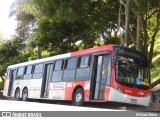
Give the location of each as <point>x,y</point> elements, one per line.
<point>46,80</point>
<point>11,80</point>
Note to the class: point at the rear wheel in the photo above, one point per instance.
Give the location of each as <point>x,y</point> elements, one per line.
<point>25,94</point>
<point>17,94</point>
<point>78,97</point>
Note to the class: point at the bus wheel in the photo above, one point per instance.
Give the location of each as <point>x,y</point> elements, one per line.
<point>25,94</point>
<point>78,97</point>
<point>17,94</point>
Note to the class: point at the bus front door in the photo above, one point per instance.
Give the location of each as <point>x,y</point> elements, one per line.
<point>11,80</point>
<point>99,76</point>
<point>46,80</point>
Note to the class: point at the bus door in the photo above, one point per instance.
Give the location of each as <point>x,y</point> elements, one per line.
<point>46,80</point>
<point>11,80</point>
<point>99,76</point>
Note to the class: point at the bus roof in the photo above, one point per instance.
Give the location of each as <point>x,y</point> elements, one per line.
<point>72,54</point>
<point>41,60</point>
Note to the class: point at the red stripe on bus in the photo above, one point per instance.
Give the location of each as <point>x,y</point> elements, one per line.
<point>92,50</point>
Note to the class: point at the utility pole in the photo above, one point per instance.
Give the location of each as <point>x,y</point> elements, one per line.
<point>126,23</point>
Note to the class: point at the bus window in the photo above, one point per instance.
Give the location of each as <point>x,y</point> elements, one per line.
<point>38,71</point>
<point>28,72</point>
<point>84,62</point>
<point>83,68</point>
<point>71,63</point>
<point>69,72</point>
<point>130,73</point>
<point>57,71</point>
<point>58,65</point>
<point>20,73</point>
<point>83,74</point>
<point>38,68</point>
<point>57,75</point>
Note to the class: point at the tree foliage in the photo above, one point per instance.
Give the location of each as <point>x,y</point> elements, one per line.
<point>12,52</point>
<point>67,22</point>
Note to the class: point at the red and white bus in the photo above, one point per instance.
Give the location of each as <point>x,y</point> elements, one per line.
<point>100,74</point>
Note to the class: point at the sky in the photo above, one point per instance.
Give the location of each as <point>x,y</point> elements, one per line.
<point>7,24</point>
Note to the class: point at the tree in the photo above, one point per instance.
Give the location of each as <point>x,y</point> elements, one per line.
<point>12,52</point>
<point>153,38</point>
<point>144,24</point>
<point>67,22</point>
<point>28,14</point>
<point>150,23</point>
<point>59,25</point>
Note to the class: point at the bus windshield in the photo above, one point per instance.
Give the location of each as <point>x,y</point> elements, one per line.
<point>131,73</point>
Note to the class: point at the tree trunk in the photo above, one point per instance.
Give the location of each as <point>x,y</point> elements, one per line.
<point>126,23</point>
<point>138,33</point>
<point>137,2</point>
<point>145,39</point>
<point>151,50</point>
<point>131,33</point>
<point>119,18</point>
<point>39,53</point>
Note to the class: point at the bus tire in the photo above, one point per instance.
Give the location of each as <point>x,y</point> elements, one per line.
<point>78,97</point>
<point>25,94</point>
<point>17,94</point>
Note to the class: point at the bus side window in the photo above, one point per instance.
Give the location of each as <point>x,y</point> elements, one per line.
<point>84,61</point>
<point>38,68</point>
<point>83,69</point>
<point>71,63</point>
<point>58,65</point>
<point>70,69</point>
<point>28,72</point>
<point>57,71</point>
<point>20,73</point>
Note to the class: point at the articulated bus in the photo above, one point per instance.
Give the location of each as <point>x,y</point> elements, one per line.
<point>101,74</point>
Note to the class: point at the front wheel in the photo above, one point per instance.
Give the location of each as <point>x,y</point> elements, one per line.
<point>25,94</point>
<point>78,97</point>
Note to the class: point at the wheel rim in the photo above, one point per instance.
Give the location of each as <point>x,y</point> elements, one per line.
<point>17,94</point>
<point>78,97</point>
<point>25,94</point>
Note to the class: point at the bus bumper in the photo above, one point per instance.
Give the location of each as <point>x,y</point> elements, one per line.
<point>116,96</point>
